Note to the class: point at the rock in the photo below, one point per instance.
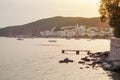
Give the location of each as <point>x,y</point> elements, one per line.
<point>61,61</point>
<point>87,67</point>
<point>101,59</point>
<point>103,54</point>
<point>66,60</point>
<point>85,59</point>
<point>98,61</point>
<point>81,62</point>
<point>92,56</point>
<point>107,52</point>
<point>99,53</point>
<point>93,59</point>
<point>70,60</point>
<point>89,64</point>
<point>81,67</point>
<point>106,66</point>
<point>109,75</point>
<point>114,65</point>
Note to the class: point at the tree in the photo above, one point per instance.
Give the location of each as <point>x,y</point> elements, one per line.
<point>110,9</point>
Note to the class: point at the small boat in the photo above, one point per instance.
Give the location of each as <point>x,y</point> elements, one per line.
<point>20,39</point>
<point>52,41</point>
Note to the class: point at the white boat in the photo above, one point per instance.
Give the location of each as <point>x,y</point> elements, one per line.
<point>20,39</point>
<point>52,41</point>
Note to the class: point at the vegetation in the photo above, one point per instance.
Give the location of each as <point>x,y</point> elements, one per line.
<point>110,9</point>
<point>34,28</point>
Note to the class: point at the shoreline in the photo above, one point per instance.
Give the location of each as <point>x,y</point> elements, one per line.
<point>58,38</point>
<point>98,58</point>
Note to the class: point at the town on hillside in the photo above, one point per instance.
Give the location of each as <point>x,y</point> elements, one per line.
<point>78,31</point>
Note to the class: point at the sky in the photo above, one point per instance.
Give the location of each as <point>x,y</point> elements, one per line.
<point>18,12</point>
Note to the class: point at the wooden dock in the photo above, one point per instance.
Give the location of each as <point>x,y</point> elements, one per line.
<point>77,51</point>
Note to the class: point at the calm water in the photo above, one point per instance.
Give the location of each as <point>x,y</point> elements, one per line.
<point>37,59</point>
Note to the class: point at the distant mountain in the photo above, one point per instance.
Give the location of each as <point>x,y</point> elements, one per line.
<point>34,28</point>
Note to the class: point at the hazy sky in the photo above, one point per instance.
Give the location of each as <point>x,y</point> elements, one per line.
<point>17,12</point>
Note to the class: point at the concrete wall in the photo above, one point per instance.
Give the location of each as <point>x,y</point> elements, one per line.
<point>114,49</point>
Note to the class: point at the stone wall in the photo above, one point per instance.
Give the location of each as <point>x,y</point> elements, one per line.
<point>114,49</point>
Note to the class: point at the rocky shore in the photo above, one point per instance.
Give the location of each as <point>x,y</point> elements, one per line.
<point>98,59</point>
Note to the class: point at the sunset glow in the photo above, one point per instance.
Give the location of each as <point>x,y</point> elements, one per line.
<point>24,11</point>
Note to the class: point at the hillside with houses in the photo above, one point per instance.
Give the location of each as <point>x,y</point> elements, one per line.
<point>79,31</point>
<point>63,27</point>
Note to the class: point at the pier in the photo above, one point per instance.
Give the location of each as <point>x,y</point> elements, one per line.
<point>77,51</point>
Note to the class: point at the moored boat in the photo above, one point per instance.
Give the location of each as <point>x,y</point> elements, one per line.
<point>52,41</point>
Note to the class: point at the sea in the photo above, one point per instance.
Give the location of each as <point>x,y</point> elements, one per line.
<point>38,59</point>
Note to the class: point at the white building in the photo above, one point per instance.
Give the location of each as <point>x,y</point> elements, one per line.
<point>70,31</point>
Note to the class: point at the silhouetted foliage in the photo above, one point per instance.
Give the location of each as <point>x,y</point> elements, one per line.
<point>111,9</point>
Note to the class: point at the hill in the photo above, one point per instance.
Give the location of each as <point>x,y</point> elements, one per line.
<point>34,28</point>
